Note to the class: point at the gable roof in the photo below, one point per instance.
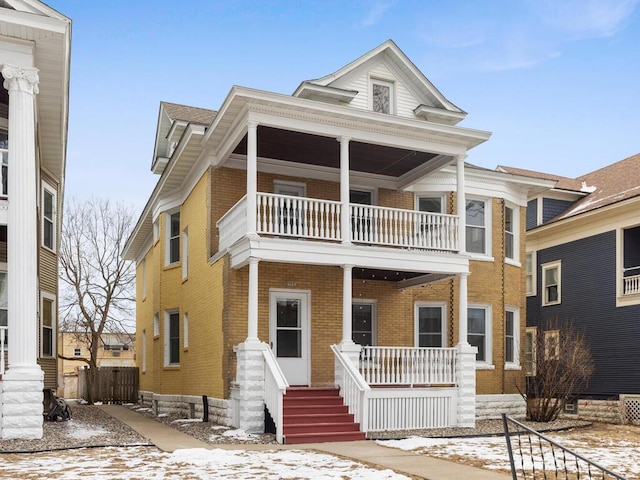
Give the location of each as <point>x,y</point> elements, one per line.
<point>392,53</point>
<point>612,184</point>
<point>562,183</point>
<point>185,113</point>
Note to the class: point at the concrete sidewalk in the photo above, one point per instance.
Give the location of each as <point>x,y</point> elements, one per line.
<point>366,451</point>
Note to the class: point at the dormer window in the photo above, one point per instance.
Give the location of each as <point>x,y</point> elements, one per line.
<point>381,96</point>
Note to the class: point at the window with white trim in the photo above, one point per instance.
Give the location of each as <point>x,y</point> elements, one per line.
<point>48,214</point>
<point>156,325</point>
<point>477,219</point>
<point>171,338</point>
<point>144,351</point>
<point>511,238</point>
<point>77,352</point>
<point>47,325</point>
<point>530,273</point>
<point>479,332</point>
<point>172,245</point>
<point>512,338</point>
<point>185,331</point>
<point>530,339</point>
<point>551,283</point>
<point>381,98</point>
<point>185,253</point>
<point>431,204</point>
<point>363,322</point>
<point>430,325</point>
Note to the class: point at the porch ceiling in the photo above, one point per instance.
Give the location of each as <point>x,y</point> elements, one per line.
<point>310,149</point>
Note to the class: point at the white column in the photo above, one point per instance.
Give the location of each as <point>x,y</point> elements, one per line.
<point>345,215</point>
<point>252,175</point>
<point>252,321</point>
<point>23,381</point>
<point>462,310</point>
<point>461,205</point>
<point>347,297</point>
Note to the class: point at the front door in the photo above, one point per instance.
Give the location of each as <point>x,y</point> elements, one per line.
<point>289,333</point>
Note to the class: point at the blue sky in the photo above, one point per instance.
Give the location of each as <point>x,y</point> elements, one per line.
<point>557,82</point>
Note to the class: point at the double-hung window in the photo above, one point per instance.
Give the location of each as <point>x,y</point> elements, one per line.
<point>512,338</point>
<point>49,205</point>
<point>530,273</point>
<point>530,347</point>
<point>430,325</point>
<point>47,325</point>
<point>477,219</point>
<point>172,338</point>
<point>363,320</point>
<point>173,238</point>
<point>511,226</point>
<point>479,332</point>
<point>551,283</point>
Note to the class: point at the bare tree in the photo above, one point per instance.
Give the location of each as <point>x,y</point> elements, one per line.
<point>561,361</point>
<point>98,286</point>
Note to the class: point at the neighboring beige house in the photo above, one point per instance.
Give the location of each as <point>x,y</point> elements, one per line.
<point>115,350</point>
<point>333,238</point>
<point>35,45</point>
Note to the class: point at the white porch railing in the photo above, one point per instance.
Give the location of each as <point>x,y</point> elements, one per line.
<point>632,282</point>
<point>408,366</point>
<point>353,388</point>
<point>3,348</point>
<point>284,215</point>
<point>404,228</point>
<point>301,217</point>
<point>275,387</point>
<point>4,168</point>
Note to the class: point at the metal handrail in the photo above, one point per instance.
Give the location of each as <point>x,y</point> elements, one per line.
<point>555,462</point>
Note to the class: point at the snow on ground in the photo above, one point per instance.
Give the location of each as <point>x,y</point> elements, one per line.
<point>491,452</point>
<point>142,462</point>
<point>81,431</point>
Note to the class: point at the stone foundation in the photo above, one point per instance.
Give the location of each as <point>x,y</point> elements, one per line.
<point>493,406</point>
<point>188,406</point>
<point>22,404</point>
<point>606,411</point>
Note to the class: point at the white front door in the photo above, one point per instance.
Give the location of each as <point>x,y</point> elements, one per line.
<point>289,332</point>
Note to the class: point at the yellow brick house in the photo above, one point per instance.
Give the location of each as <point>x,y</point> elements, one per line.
<point>332,242</point>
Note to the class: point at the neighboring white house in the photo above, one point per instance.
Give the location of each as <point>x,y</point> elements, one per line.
<point>34,103</point>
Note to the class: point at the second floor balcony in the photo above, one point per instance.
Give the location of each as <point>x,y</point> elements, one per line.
<point>284,216</point>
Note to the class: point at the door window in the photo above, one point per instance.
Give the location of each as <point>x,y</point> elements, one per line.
<point>289,328</point>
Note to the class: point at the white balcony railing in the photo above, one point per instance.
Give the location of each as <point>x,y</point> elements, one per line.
<point>3,348</point>
<point>300,217</point>
<point>632,285</point>
<point>408,366</point>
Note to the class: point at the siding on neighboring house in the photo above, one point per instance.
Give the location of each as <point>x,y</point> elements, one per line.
<point>552,207</point>
<point>588,296</point>
<point>532,214</point>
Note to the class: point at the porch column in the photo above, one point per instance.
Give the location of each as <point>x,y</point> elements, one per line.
<point>22,384</point>
<point>252,321</point>
<point>347,346</point>
<point>461,205</point>
<point>252,175</point>
<point>345,216</point>
<point>462,309</point>
<point>466,363</point>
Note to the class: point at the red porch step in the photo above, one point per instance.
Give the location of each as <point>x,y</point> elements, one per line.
<point>314,415</point>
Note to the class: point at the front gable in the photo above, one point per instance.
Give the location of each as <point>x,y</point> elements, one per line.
<point>386,74</point>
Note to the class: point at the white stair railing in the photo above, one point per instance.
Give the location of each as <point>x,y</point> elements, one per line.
<point>353,388</point>
<point>3,348</point>
<point>275,387</point>
<point>408,365</point>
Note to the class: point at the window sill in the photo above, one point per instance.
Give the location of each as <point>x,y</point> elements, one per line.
<point>551,304</point>
<point>484,366</point>
<point>184,279</point>
<point>49,249</point>
<point>172,366</point>
<point>512,366</point>
<point>511,261</point>
<point>480,258</point>
<point>532,294</point>
<point>171,266</point>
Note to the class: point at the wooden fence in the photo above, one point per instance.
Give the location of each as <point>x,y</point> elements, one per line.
<point>114,384</point>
